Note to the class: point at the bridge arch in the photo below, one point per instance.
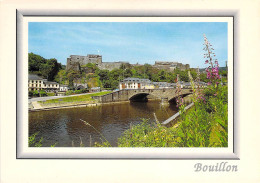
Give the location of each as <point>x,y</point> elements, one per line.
<point>140,96</point>
<point>173,99</point>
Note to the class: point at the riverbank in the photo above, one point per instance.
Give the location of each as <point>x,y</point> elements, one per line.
<point>203,125</point>
<point>62,126</point>
<point>38,107</point>
<point>78,101</point>
<point>63,107</point>
<point>66,102</point>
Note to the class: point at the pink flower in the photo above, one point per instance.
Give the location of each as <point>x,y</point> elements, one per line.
<point>208,75</point>
<point>206,61</point>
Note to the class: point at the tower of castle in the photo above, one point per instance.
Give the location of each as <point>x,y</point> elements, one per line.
<point>75,61</point>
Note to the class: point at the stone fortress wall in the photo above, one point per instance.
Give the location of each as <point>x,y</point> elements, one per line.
<point>171,65</point>
<point>75,61</point>
<point>111,65</point>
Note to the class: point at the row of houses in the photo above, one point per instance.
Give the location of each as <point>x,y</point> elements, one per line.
<point>137,83</point>
<point>35,82</point>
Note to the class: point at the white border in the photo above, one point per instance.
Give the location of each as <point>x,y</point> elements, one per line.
<point>115,153</point>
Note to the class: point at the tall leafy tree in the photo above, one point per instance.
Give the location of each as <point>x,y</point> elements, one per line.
<point>35,61</point>
<point>48,68</point>
<point>72,75</point>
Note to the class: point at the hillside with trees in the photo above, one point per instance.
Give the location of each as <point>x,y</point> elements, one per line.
<point>91,75</point>
<point>47,68</point>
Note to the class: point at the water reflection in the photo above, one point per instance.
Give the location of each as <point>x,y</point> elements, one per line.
<point>64,125</point>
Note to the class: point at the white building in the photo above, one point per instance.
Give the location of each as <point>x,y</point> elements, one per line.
<point>37,83</point>
<point>164,85</point>
<point>64,88</point>
<point>136,83</point>
<point>95,89</point>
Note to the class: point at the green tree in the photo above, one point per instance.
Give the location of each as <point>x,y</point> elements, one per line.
<point>162,75</point>
<point>184,76</point>
<point>170,77</point>
<point>42,93</point>
<point>35,93</point>
<point>114,84</point>
<point>48,68</point>
<point>125,66</point>
<point>61,77</point>
<point>72,75</point>
<point>53,68</point>
<point>35,62</point>
<point>127,73</point>
<point>103,74</point>
<point>193,73</point>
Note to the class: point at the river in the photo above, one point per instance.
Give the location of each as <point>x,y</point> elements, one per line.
<point>64,127</point>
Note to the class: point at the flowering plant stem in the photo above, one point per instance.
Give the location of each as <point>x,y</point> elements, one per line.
<point>86,123</point>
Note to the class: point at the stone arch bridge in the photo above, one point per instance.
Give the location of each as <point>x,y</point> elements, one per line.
<point>165,95</point>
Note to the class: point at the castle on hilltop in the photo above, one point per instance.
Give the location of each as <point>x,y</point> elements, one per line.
<point>171,65</point>
<point>74,62</point>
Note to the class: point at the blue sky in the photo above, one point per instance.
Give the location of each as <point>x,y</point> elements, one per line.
<point>134,42</point>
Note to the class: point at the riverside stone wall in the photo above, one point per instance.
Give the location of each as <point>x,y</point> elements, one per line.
<point>126,95</point>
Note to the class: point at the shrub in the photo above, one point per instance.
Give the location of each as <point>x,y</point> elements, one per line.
<point>78,91</point>
<point>204,125</point>
<point>147,135</point>
<point>33,142</point>
<point>35,93</point>
<point>30,93</point>
<point>70,92</point>
<point>43,93</point>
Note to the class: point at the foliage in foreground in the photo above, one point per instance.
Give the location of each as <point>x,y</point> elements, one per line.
<point>33,142</point>
<point>205,125</point>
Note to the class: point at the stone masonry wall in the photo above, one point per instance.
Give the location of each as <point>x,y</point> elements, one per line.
<point>125,95</point>
<point>75,61</point>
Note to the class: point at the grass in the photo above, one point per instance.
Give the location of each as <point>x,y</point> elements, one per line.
<point>204,125</point>
<point>50,94</point>
<point>80,98</point>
